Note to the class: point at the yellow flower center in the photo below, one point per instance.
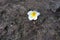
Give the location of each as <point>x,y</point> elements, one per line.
<point>33,14</point>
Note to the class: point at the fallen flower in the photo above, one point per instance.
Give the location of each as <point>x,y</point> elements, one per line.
<point>33,15</point>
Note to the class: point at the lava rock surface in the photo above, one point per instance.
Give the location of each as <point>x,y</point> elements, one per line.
<point>14,23</point>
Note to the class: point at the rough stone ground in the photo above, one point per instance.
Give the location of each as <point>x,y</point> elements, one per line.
<point>14,23</point>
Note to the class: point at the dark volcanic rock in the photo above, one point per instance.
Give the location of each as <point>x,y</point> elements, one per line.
<point>14,23</point>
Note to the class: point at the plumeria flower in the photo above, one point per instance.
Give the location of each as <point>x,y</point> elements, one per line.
<point>33,15</point>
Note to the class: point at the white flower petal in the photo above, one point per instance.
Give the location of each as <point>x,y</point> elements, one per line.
<point>38,13</point>
<point>30,18</point>
<point>29,12</point>
<point>35,18</point>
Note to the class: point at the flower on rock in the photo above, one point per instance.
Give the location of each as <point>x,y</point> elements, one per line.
<point>33,15</point>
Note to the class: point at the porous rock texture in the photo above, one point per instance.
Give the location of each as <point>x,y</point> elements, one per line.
<point>14,23</point>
